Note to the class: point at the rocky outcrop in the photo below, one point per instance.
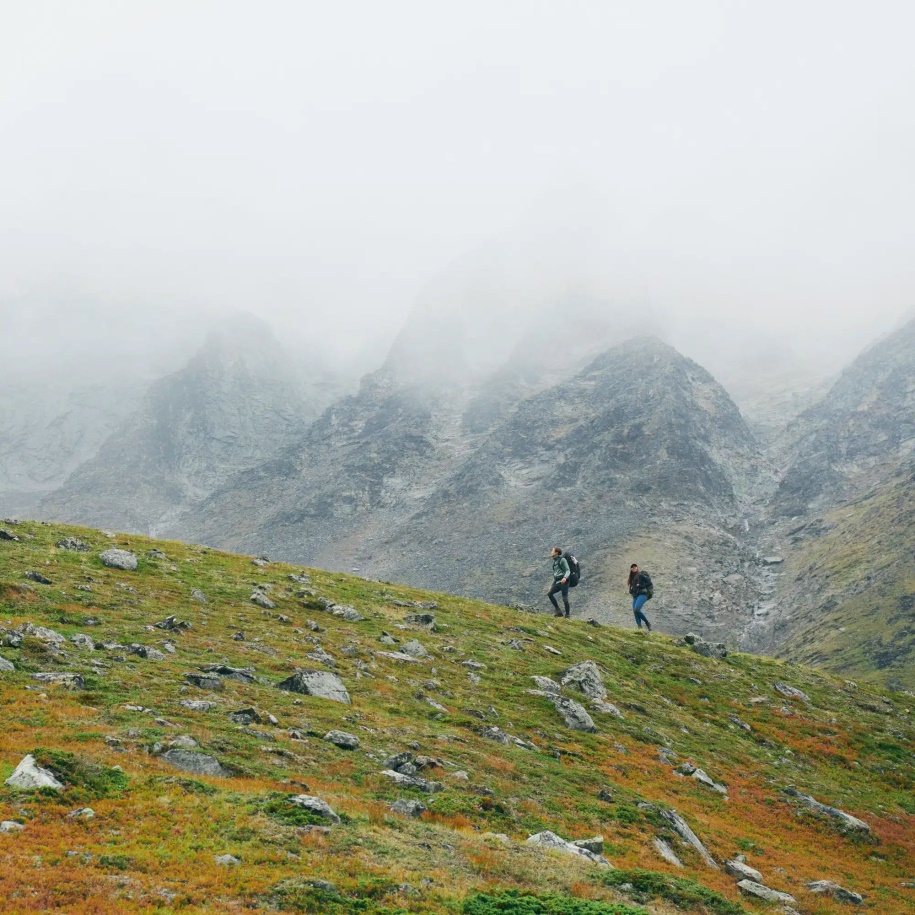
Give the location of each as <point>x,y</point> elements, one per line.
<point>29,776</point>
<point>317,683</point>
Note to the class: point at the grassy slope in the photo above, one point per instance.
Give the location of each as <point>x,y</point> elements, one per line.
<point>850,746</point>
<point>853,589</point>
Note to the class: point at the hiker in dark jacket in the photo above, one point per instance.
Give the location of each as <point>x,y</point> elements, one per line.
<point>561,573</point>
<point>639,583</point>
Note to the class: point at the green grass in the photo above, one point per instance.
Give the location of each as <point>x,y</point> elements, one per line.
<point>514,903</point>
<point>682,892</point>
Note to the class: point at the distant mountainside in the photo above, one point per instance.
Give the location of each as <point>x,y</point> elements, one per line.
<point>860,433</point>
<point>407,482</point>
<point>237,402</point>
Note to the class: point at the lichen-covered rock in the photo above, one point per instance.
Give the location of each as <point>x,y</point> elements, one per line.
<point>574,715</point>
<point>846,822</point>
<point>194,763</point>
<point>752,888</point>
<point>743,871</point>
<point>66,680</point>
<point>119,559</point>
<point>587,678</point>
<point>412,809</point>
<point>550,840</point>
<point>839,893</point>
<point>29,776</point>
<point>342,740</point>
<point>319,683</point>
<point>315,805</point>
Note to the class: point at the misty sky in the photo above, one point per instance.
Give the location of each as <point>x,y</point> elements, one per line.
<point>744,167</point>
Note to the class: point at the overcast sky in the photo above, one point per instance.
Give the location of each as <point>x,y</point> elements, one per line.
<point>745,167</point>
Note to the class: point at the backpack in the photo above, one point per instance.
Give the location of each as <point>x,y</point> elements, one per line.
<point>574,569</point>
<point>647,585</point>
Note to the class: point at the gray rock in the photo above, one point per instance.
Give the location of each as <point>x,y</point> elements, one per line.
<point>706,649</point>
<point>11,826</point>
<point>574,715</point>
<point>246,716</point>
<point>6,666</point>
<point>319,683</point>
<point>398,656</point>
<point>149,654</point>
<point>500,736</point>
<point>681,828</point>
<point>414,649</point>
<point>595,845</point>
<point>66,680</point>
<point>41,633</point>
<point>350,614</point>
<point>37,577</point>
<point>666,852</point>
<point>197,705</point>
<point>198,595</point>
<point>321,656</point>
<point>790,691</point>
<point>421,619</point>
<point>83,641</point>
<point>342,739</point>
<point>315,805</point>
<point>413,809</point>
<point>473,665</point>
<point>119,559</point>
<point>546,684</point>
<point>172,622</point>
<point>205,681</point>
<point>29,776</point>
<point>183,743</point>
<point>550,840</point>
<point>242,674</point>
<point>261,599</point>
<point>839,893</point>
<point>81,813</point>
<point>398,761</point>
<point>8,535</point>
<point>743,871</point>
<point>412,781</point>
<point>752,888</point>
<point>585,677</point>
<point>846,821</point>
<point>227,860</point>
<point>194,763</point>
<point>608,708</point>
<point>72,543</point>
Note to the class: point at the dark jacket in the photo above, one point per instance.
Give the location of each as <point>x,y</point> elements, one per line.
<point>639,585</point>
<point>560,568</point>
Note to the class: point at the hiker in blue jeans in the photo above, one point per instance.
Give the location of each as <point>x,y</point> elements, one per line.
<point>639,587</point>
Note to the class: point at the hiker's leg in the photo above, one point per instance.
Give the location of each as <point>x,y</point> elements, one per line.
<point>637,605</point>
<point>565,597</point>
<point>550,594</point>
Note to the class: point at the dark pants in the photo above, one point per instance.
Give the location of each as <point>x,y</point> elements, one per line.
<point>557,587</point>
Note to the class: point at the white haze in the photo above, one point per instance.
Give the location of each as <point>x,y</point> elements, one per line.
<point>736,175</point>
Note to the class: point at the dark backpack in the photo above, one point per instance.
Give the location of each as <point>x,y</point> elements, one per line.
<point>574,569</point>
<point>647,585</point>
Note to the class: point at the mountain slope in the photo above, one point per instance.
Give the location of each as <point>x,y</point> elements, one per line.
<point>860,433</point>
<point>198,779</point>
<point>409,482</point>
<point>237,402</point>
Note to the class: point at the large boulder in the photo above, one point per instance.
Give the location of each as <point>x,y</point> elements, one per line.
<point>342,739</point>
<point>751,888</point>
<point>839,893</point>
<point>573,714</point>
<point>585,677</point>
<point>845,821</point>
<point>66,680</point>
<point>194,763</point>
<point>29,776</point>
<point>119,559</point>
<point>320,683</point>
<point>6,666</point>
<point>315,805</point>
<point>742,871</point>
<point>550,840</point>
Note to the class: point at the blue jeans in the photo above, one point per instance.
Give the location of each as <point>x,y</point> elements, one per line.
<point>637,604</point>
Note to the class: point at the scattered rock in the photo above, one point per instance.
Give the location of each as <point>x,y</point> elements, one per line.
<point>205,681</point>
<point>412,781</point>
<point>11,825</point>
<point>41,633</point>
<point>242,674</point>
<point>595,845</point>
<point>666,852</point>
<point>574,715</point>
<point>6,666</point>
<point>702,777</point>
<point>839,893</point>
<point>546,685</point>
<point>66,680</point>
<point>743,871</point>
<point>608,708</point>
<point>413,809</point>
<point>246,716</point>
<point>319,683</point>
<point>172,622</point>
<point>119,559</point>
<point>72,543</point>
<point>183,743</point>
<point>315,805</point>
<point>197,705</point>
<point>790,692</point>
<point>585,677</point>
<point>342,740</point>
<point>706,649</point>
<point>845,820</point>
<point>681,828</point>
<point>83,641</point>
<point>550,840</point>
<point>198,595</point>
<point>227,860</point>
<point>414,649</point>
<point>144,651</point>
<point>37,577</point>
<point>81,813</point>
<point>322,657</point>
<point>8,535</point>
<point>751,888</point>
<point>29,776</point>
<point>261,599</point>
<point>195,763</point>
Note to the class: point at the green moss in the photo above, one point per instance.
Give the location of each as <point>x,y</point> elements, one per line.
<point>512,902</point>
<point>83,779</point>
